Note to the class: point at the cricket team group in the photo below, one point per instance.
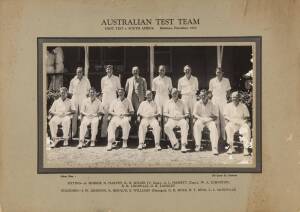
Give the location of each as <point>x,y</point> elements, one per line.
<point>187,108</point>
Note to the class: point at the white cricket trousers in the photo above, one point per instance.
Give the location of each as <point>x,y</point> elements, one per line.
<point>244,131</point>
<point>64,121</point>
<point>152,122</point>
<point>84,125</point>
<point>184,128</point>
<point>198,128</point>
<point>116,122</point>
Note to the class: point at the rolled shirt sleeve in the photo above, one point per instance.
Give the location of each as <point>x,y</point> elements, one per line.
<point>53,107</point>
<point>101,108</point>
<point>170,84</point>
<point>88,87</point>
<point>179,84</point>
<point>130,107</point>
<point>166,107</point>
<point>185,109</point>
<point>111,106</point>
<point>83,106</point>
<point>246,111</point>
<point>71,87</point>
<point>195,110</point>
<point>228,86</point>
<point>215,110</point>
<point>154,86</point>
<point>127,86</point>
<point>210,86</point>
<point>226,112</point>
<point>140,109</point>
<point>196,84</point>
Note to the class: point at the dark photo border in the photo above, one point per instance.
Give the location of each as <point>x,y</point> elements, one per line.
<point>257,95</point>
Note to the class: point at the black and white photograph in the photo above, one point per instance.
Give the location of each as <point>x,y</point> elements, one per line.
<point>152,106</point>
<point>149,105</point>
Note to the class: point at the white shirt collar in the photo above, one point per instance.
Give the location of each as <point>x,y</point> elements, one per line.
<point>187,78</point>
<point>178,100</point>
<point>119,99</point>
<point>76,77</point>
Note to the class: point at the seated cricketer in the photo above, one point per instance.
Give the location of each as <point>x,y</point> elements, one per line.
<point>121,111</point>
<point>91,111</point>
<point>206,114</point>
<point>61,110</point>
<point>148,110</point>
<point>175,111</point>
<point>236,115</point>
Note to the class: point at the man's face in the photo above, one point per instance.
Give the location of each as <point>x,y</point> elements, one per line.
<point>204,98</point>
<point>149,96</point>
<point>175,95</point>
<point>219,74</point>
<point>63,94</point>
<point>135,72</point>
<point>162,71</point>
<point>187,72</point>
<point>109,70</point>
<point>92,94</point>
<point>235,100</point>
<point>79,73</point>
<point>121,94</point>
